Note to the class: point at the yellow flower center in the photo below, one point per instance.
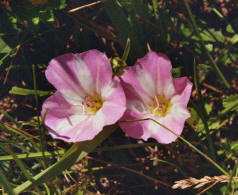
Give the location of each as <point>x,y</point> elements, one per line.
<point>92,103</point>
<point>160,106</point>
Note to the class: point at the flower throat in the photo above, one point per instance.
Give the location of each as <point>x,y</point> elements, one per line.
<point>92,103</point>
<point>160,106</point>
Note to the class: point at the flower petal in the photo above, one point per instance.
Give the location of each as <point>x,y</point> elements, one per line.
<point>62,72</point>
<point>159,67</point>
<point>132,85</point>
<point>61,117</point>
<point>57,105</point>
<point>114,104</point>
<point>81,131</point>
<point>73,127</point>
<point>183,87</point>
<point>161,134</point>
<point>98,66</point>
<point>133,129</point>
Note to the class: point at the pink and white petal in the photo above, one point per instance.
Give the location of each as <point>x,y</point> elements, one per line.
<point>178,111</point>
<point>137,107</point>
<point>98,121</point>
<point>131,94</point>
<point>161,134</point>
<point>62,117</point>
<point>65,128</point>
<point>99,67</point>
<point>131,85</point>
<point>86,127</point>
<point>111,112</point>
<point>164,72</point>
<point>114,104</point>
<point>159,67</point>
<point>169,89</point>
<point>184,88</point>
<point>70,76</point>
<point>57,105</point>
<point>84,75</point>
<point>133,129</point>
<point>146,81</point>
<point>82,131</point>
<point>114,93</point>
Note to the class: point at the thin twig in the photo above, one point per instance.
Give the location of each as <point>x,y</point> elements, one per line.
<point>32,136</point>
<point>207,188</point>
<point>84,6</point>
<point>156,181</point>
<point>212,88</point>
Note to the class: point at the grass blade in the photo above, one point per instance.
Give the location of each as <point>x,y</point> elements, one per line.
<point>6,184</point>
<point>74,154</point>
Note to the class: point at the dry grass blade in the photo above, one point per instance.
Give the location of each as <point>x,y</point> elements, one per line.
<point>84,6</point>
<point>198,183</point>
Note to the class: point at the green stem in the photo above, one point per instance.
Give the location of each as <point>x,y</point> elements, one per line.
<point>203,113</point>
<point>195,28</point>
<point>185,141</point>
<point>6,184</point>
<point>61,152</point>
<point>42,133</point>
<point>172,164</point>
<point>126,51</point>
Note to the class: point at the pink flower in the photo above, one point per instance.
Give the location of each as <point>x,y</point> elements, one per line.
<point>151,92</point>
<point>87,98</point>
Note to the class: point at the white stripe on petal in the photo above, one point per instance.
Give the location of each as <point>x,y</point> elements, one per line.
<point>84,76</point>
<point>108,89</point>
<point>152,128</point>
<point>177,111</point>
<point>98,120</point>
<point>169,89</point>
<point>71,97</point>
<point>146,81</point>
<point>159,87</point>
<point>68,123</point>
<point>71,85</point>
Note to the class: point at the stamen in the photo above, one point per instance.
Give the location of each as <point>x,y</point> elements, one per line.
<point>91,104</point>
<point>160,106</point>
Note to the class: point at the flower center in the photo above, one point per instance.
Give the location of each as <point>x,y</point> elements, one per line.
<point>92,104</point>
<point>160,106</point>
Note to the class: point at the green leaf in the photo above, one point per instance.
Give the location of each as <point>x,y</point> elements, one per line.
<point>6,184</point>
<point>21,91</point>
<point>155,8</point>
<point>229,29</point>
<point>20,163</point>
<point>36,20</point>
<point>74,154</point>
<point>231,103</point>
<point>234,39</point>
<point>124,25</point>
<point>33,155</point>
<point>57,4</point>
<point>4,48</point>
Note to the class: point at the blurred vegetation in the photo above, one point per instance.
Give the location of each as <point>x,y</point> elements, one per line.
<point>199,36</point>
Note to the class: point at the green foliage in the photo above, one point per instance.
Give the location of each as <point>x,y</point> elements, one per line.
<point>230,150</point>
<point>21,91</point>
<point>231,103</point>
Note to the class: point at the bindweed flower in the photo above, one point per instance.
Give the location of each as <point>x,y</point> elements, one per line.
<point>87,98</point>
<point>151,92</point>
